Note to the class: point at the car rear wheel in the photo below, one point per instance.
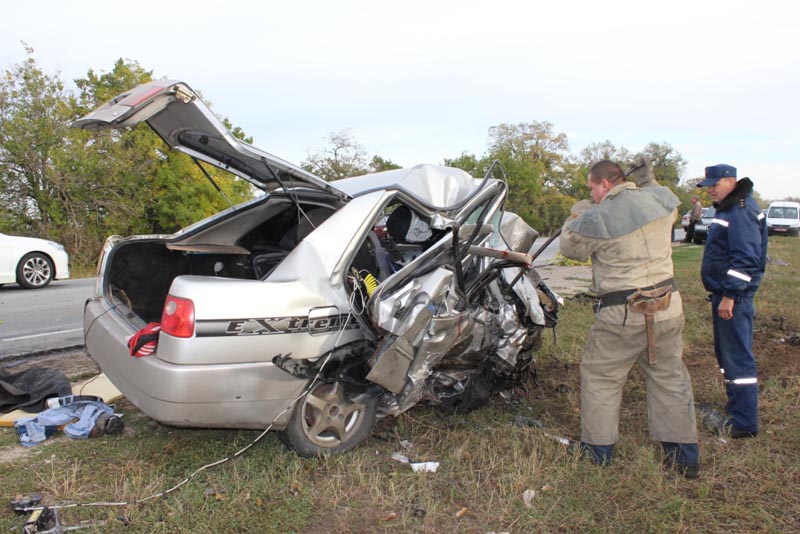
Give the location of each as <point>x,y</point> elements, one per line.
<point>697,240</point>
<point>328,421</point>
<point>35,270</point>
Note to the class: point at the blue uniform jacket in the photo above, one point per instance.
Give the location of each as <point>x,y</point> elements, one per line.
<point>736,246</point>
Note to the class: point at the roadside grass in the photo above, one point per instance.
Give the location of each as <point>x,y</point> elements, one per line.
<point>486,463</point>
<point>82,269</point>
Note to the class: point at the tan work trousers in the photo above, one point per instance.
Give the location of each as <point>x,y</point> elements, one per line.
<point>611,351</point>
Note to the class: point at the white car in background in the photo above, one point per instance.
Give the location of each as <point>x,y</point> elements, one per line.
<point>783,217</point>
<point>30,262</point>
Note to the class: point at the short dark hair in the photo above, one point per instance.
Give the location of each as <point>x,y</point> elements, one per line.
<point>606,170</point>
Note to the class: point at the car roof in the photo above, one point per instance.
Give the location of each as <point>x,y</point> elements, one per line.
<point>436,186</point>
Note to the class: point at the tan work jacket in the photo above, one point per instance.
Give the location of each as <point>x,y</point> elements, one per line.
<point>628,237</point>
<point>697,212</point>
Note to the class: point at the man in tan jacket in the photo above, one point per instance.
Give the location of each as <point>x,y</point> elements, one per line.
<point>626,233</point>
<point>695,216</point>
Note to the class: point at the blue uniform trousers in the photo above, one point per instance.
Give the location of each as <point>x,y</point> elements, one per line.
<point>733,347</point>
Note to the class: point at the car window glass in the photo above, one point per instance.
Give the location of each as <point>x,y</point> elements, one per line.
<point>781,212</point>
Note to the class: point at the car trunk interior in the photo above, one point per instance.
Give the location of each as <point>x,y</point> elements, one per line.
<point>246,245</point>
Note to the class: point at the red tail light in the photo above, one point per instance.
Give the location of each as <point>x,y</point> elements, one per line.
<point>178,317</point>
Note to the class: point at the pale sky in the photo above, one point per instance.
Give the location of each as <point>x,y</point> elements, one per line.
<point>419,81</point>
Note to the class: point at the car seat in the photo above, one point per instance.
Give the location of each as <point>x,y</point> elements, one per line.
<point>263,264</point>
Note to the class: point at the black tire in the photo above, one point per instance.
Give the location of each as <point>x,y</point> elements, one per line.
<point>327,421</point>
<point>697,240</point>
<point>35,271</point>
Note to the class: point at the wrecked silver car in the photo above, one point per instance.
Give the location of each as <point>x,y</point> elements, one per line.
<point>289,310</point>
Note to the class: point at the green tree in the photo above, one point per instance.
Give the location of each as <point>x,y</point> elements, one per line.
<point>534,158</point>
<point>34,116</point>
<point>379,164</point>
<point>668,163</point>
<point>571,180</point>
<point>470,164</point>
<point>163,190</point>
<point>341,157</point>
<point>551,210</point>
<point>79,187</point>
<point>595,152</point>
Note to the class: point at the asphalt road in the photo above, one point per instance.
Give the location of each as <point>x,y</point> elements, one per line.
<point>41,320</point>
<point>547,254</point>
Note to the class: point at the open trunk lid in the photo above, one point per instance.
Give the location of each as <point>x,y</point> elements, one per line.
<point>175,112</point>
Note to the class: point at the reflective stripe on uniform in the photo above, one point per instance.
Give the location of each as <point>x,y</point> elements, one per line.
<point>743,381</point>
<point>722,222</point>
<point>740,276</point>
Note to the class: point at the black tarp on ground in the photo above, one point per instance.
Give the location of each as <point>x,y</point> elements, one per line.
<point>30,389</point>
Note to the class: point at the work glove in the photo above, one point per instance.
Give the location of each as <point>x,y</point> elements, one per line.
<point>641,172</point>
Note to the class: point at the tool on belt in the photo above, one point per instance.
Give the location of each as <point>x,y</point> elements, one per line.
<point>647,301</point>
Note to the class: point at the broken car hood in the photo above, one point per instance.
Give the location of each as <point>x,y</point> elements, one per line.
<point>176,113</point>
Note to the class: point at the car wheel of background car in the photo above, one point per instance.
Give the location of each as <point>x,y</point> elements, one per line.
<point>35,270</point>
<point>697,240</point>
<point>326,421</point>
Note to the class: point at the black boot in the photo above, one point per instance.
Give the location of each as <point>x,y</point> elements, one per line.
<point>682,457</point>
<point>598,454</point>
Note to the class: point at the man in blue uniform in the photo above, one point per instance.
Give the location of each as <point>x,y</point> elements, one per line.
<point>733,265</point>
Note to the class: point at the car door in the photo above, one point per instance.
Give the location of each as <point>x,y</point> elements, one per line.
<point>7,260</point>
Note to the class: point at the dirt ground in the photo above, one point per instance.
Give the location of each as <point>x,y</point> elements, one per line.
<point>777,354</point>
<point>567,281</point>
<point>76,365</point>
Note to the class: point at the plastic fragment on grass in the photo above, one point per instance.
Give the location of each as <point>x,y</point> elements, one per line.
<point>424,467</point>
<point>527,497</point>
<point>417,467</point>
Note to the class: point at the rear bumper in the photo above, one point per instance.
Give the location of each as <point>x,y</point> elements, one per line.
<point>786,230</point>
<point>240,395</point>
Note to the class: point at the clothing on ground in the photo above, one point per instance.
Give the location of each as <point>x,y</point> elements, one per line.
<point>79,417</point>
<point>29,390</point>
